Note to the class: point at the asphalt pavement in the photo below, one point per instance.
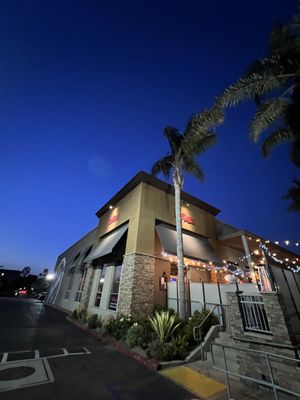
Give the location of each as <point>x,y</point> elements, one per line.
<point>69,363</point>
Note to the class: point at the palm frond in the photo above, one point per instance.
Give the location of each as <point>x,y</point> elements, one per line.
<point>278,137</point>
<point>293,194</point>
<point>197,145</point>
<point>164,166</point>
<point>282,40</point>
<point>202,122</point>
<point>250,87</point>
<point>194,169</point>
<point>266,114</point>
<point>174,138</point>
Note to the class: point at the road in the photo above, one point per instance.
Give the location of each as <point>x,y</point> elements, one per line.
<point>104,373</point>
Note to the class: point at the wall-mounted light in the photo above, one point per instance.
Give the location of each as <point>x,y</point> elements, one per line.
<point>111,207</point>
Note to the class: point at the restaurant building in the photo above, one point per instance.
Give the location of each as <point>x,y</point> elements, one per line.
<point>126,263</point>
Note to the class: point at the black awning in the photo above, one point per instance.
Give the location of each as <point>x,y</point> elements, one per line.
<point>195,247</point>
<point>106,245</point>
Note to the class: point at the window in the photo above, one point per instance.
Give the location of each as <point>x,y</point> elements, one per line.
<point>70,284</point>
<point>80,286</point>
<point>100,287</point>
<point>113,298</point>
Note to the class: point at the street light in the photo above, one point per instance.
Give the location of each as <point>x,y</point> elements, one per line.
<point>50,277</point>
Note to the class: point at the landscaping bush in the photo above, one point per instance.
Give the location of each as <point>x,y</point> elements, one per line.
<point>92,321</point>
<point>176,349</point>
<point>74,314</point>
<point>180,347</point>
<point>196,320</point>
<point>99,322</point>
<point>164,324</point>
<point>139,334</point>
<point>118,327</point>
<point>161,351</point>
<point>82,314</point>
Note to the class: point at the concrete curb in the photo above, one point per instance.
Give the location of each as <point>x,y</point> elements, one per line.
<point>151,364</point>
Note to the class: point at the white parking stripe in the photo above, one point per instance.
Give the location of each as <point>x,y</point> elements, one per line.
<point>4,357</point>
<point>37,355</point>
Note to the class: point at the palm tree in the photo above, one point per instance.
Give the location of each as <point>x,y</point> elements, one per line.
<point>274,83</point>
<point>184,148</point>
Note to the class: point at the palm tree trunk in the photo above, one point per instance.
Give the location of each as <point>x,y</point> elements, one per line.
<point>179,248</point>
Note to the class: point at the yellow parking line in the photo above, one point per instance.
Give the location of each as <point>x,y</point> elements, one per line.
<point>195,382</point>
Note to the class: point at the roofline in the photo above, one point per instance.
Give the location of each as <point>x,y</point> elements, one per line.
<point>74,244</point>
<point>159,184</point>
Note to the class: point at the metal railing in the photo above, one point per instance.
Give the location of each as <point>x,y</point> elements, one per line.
<point>222,314</point>
<point>270,384</point>
<point>222,309</point>
<point>198,337</point>
<point>253,314</point>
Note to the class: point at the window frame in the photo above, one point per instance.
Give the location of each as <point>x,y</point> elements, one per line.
<point>113,306</point>
<point>102,275</point>
<point>81,283</point>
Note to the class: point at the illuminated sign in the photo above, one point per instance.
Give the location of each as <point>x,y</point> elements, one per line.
<point>113,218</point>
<point>186,218</point>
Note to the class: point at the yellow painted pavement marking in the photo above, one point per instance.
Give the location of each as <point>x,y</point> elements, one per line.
<point>194,381</point>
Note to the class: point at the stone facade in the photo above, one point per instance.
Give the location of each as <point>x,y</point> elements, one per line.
<point>90,272</point>
<point>137,285</point>
<point>285,373</point>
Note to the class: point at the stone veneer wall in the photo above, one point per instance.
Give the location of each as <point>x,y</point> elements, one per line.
<point>286,373</point>
<point>137,285</point>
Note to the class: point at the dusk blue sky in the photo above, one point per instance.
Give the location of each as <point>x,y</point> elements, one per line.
<point>86,90</point>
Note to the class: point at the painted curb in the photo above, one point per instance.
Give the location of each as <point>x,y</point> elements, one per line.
<point>151,364</point>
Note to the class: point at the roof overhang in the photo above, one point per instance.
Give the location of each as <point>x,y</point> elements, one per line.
<point>159,184</point>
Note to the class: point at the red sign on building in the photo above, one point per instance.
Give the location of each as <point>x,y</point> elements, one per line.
<point>186,218</point>
<point>113,218</point>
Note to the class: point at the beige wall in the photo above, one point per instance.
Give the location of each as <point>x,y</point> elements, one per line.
<point>142,207</point>
<point>127,209</point>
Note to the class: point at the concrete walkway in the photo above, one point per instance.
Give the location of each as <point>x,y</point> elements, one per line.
<point>208,383</point>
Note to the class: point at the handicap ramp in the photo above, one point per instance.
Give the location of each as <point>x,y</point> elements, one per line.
<point>194,381</point>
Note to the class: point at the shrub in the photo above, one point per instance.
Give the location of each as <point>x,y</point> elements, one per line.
<point>164,324</point>
<point>196,320</point>
<point>74,314</point>
<point>99,322</point>
<point>180,347</point>
<point>118,327</point>
<point>139,334</point>
<point>82,314</point>
<point>176,349</point>
<point>161,351</point>
<point>92,321</point>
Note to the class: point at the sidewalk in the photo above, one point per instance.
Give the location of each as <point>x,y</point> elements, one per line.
<point>208,383</point>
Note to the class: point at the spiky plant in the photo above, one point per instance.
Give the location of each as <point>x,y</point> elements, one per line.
<point>185,146</point>
<point>164,324</point>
